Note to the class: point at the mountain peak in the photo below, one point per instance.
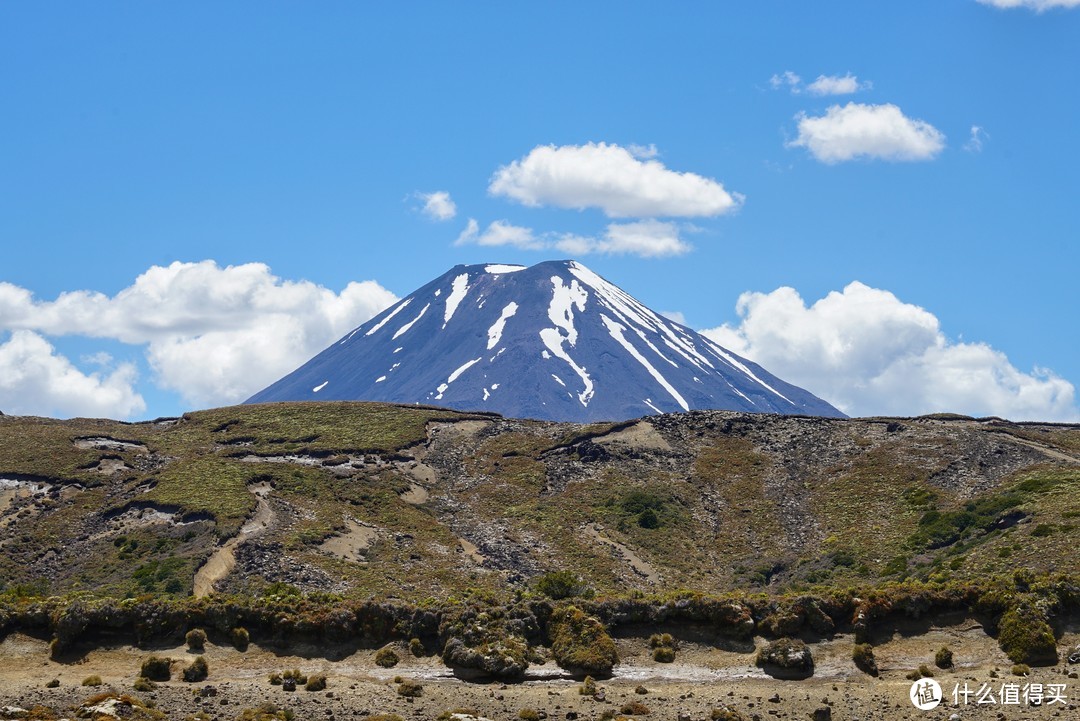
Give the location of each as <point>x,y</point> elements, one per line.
<point>553,341</point>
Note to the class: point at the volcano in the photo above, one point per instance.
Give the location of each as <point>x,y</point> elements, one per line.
<point>553,341</point>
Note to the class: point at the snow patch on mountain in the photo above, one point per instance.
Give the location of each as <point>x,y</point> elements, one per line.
<point>457,294</point>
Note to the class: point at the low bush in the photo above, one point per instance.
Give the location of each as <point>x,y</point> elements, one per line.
<point>55,683</point>
<point>863,656</point>
<point>144,684</point>
<point>196,639</point>
<point>315,682</point>
<point>558,585</point>
<point>587,687</point>
<point>410,689</point>
<point>156,668</point>
<point>386,657</point>
<point>266,712</point>
<point>416,648</point>
<point>1026,637</point>
<point>726,714</point>
<point>581,643</point>
<point>92,681</point>
<point>1021,669</point>
<point>663,654</point>
<point>943,658</point>
<point>240,638</point>
<point>197,671</point>
<point>634,708</point>
<point>529,714</point>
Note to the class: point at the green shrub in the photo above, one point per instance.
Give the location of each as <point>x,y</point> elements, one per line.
<point>410,689</point>
<point>92,681</point>
<point>196,639</point>
<point>143,684</point>
<point>925,671</point>
<point>587,687</point>
<point>863,656</point>
<point>156,668</point>
<point>529,714</point>
<point>1026,637</point>
<point>416,648</point>
<point>943,658</point>
<point>581,643</point>
<point>197,671</point>
<point>1042,530</point>
<point>315,682</point>
<point>663,654</point>
<point>386,657</point>
<point>662,639</point>
<point>648,519</point>
<point>1021,669</point>
<point>561,584</point>
<point>240,638</point>
<point>55,683</point>
<point>295,675</point>
<point>275,679</point>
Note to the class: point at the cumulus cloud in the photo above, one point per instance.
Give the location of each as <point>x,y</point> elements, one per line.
<point>438,205</point>
<point>1037,5</point>
<point>867,131</point>
<point>869,353</point>
<point>36,380</point>
<point>214,334</point>
<point>611,178</point>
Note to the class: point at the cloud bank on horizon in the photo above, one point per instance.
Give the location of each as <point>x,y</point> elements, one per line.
<point>216,335</point>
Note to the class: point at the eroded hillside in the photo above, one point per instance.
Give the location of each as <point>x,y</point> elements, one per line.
<point>413,502</point>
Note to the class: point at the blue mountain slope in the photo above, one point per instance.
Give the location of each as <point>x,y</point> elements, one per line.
<point>553,341</point>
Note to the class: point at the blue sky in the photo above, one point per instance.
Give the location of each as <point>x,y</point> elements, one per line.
<point>918,201</point>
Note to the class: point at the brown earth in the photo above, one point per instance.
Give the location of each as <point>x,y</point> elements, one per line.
<point>703,677</point>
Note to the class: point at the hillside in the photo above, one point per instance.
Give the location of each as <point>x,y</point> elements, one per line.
<point>369,499</point>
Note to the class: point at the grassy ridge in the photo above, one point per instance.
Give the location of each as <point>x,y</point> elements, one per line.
<point>707,501</point>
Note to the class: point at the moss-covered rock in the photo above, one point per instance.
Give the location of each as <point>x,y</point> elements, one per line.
<point>580,643</point>
<point>786,657</point>
<point>1026,637</point>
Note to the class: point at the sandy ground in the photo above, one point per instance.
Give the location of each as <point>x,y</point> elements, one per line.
<point>702,678</point>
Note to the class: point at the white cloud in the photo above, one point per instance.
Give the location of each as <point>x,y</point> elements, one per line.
<point>869,353</point>
<point>214,334</point>
<point>36,380</point>
<point>836,85</point>
<point>674,315</point>
<point>499,233</point>
<point>975,142</point>
<point>1037,5</point>
<point>786,79</point>
<point>438,205</point>
<point>867,131</point>
<point>644,238</point>
<point>611,178</point>
<point>823,85</point>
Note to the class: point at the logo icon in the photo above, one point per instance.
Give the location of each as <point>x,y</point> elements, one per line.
<point>925,694</point>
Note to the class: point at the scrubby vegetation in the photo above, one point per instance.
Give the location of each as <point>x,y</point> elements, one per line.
<point>581,643</point>
<point>944,657</point>
<point>196,639</point>
<point>156,668</point>
<point>863,656</point>
<point>386,658</point>
<point>197,671</point>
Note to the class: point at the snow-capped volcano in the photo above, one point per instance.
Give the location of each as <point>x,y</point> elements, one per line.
<point>553,341</point>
